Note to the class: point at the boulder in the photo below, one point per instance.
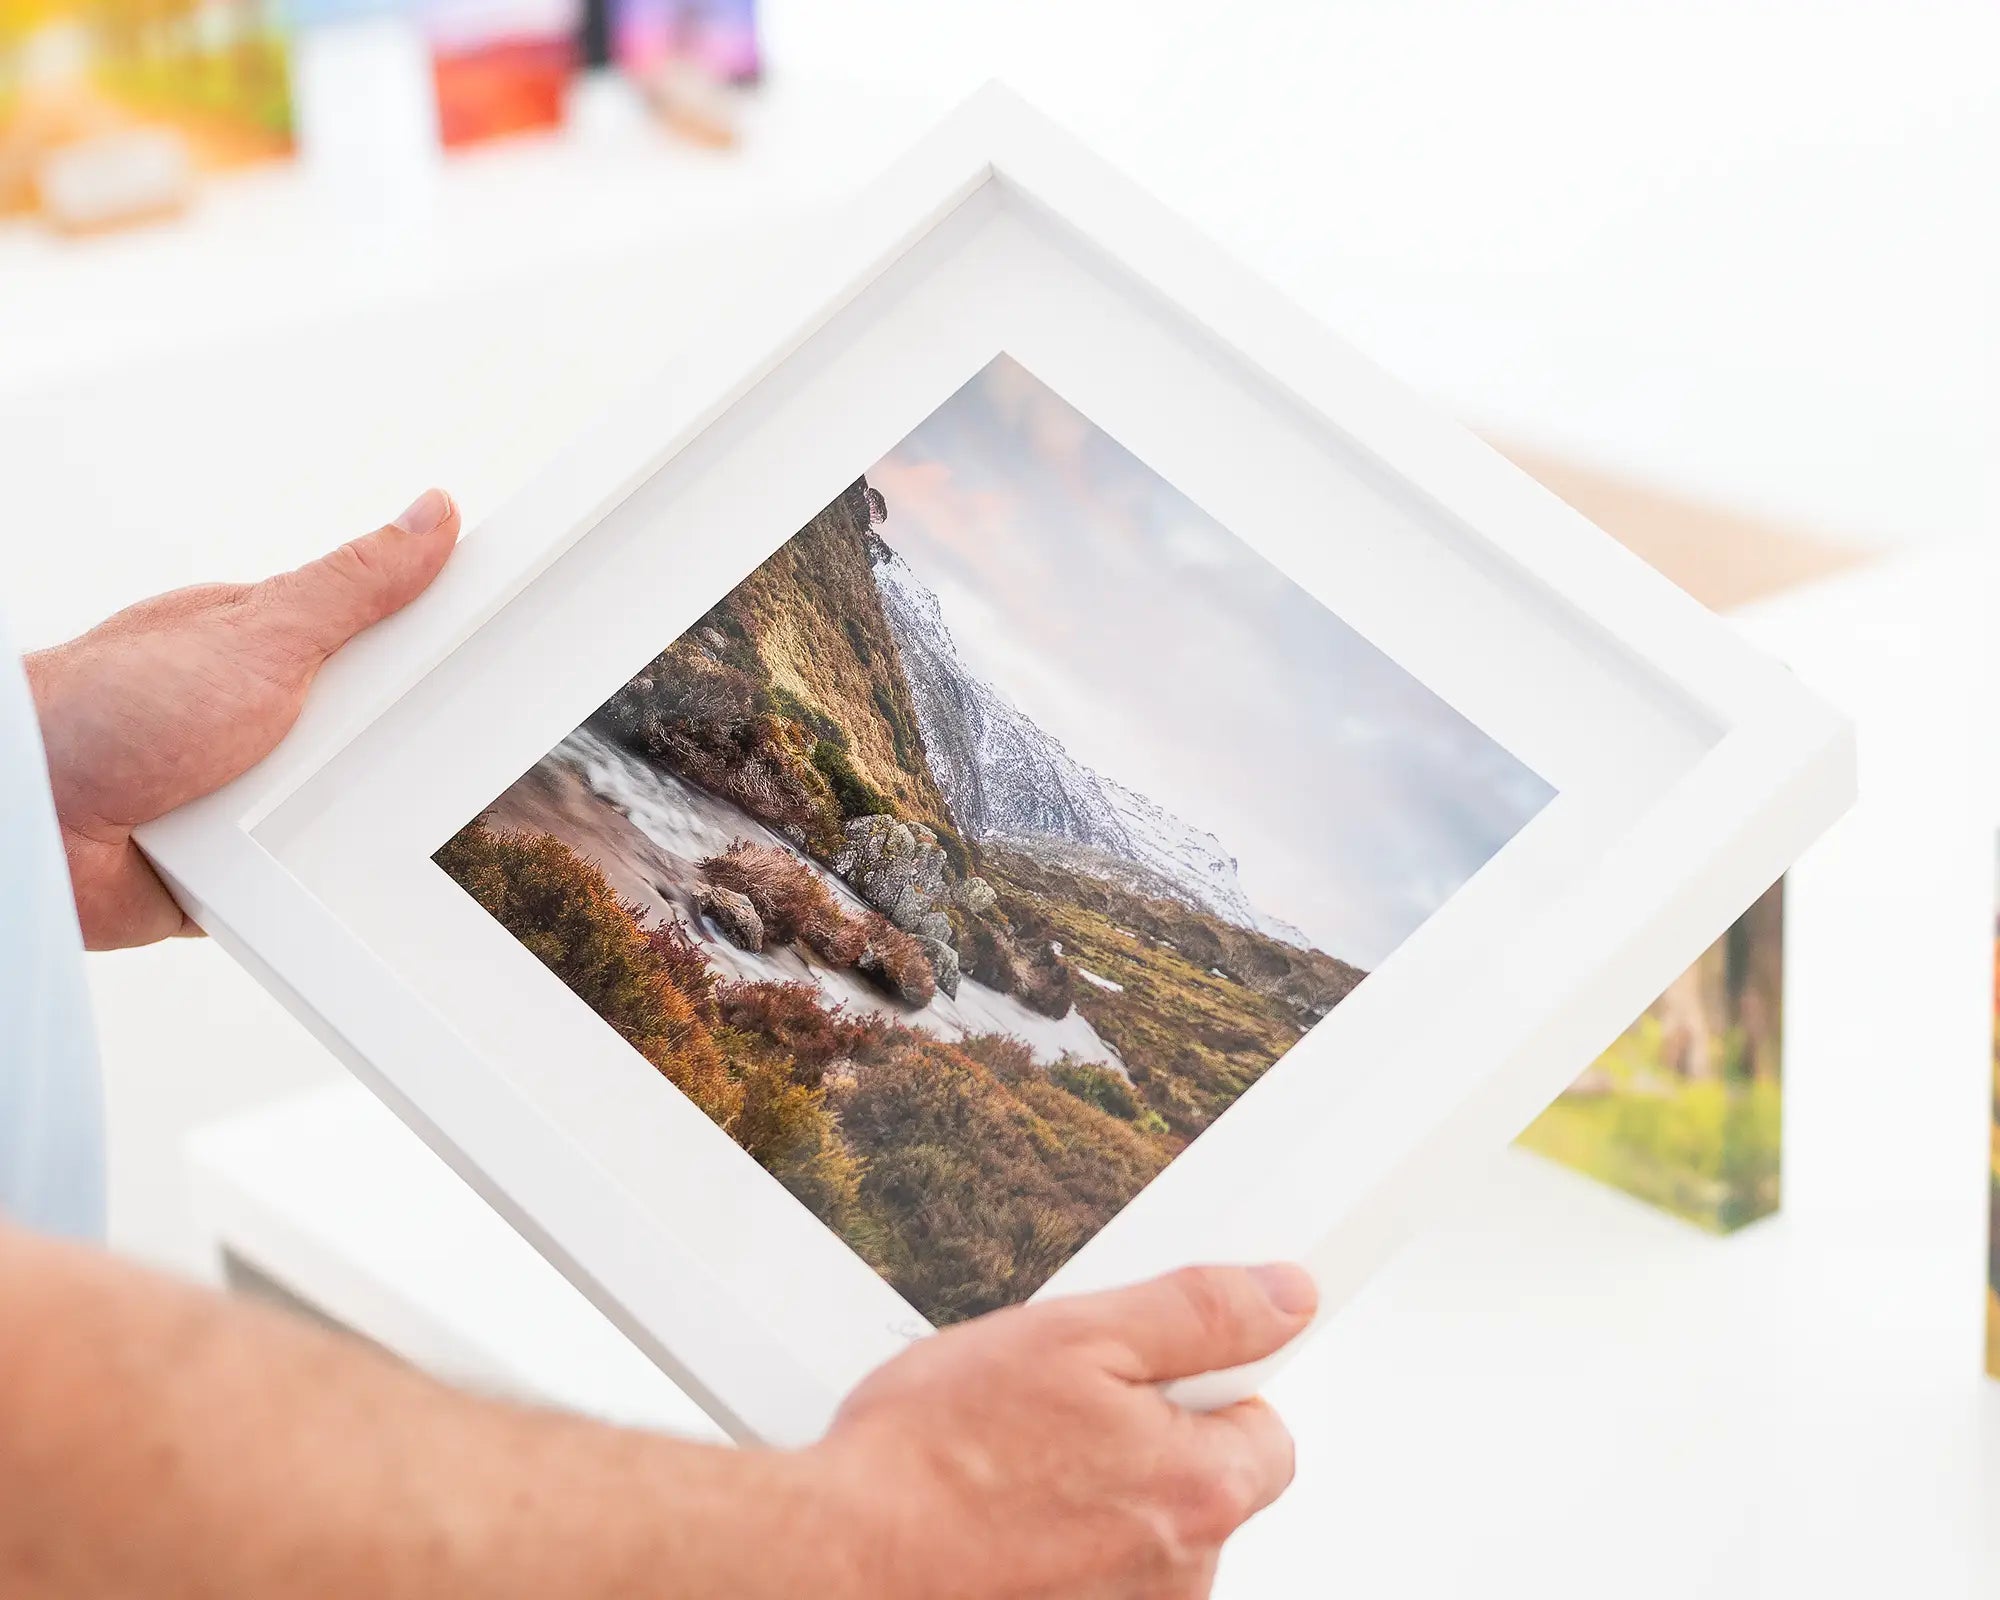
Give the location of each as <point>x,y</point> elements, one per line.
<point>901,901</point>
<point>934,925</point>
<point>944,963</point>
<point>976,896</point>
<point>897,867</point>
<point>734,915</point>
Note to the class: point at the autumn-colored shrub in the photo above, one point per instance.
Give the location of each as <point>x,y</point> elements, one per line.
<point>711,721</point>
<point>791,898</point>
<point>783,1125</point>
<point>655,988</point>
<point>562,909</point>
<point>686,967</point>
<point>1046,985</point>
<point>983,1188</point>
<point>984,952</point>
<point>1006,1056</point>
<point>796,1018</point>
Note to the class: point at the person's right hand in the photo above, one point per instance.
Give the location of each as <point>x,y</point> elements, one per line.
<point>1032,1452</point>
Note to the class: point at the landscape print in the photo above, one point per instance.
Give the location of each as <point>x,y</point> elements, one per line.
<point>1684,1111</point>
<point>985,844</point>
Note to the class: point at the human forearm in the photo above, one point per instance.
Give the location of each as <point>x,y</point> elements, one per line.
<point>157,1440</point>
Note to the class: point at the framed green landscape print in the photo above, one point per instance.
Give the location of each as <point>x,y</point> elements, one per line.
<point>1684,1111</point>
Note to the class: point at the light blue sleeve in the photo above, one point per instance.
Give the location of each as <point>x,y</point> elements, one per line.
<point>51,1120</point>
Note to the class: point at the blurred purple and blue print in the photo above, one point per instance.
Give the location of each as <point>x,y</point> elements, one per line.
<point>718,36</point>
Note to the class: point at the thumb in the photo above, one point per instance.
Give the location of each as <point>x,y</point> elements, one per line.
<point>1201,1319</point>
<point>327,602</point>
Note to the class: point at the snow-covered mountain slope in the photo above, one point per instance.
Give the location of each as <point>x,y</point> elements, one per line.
<point>1005,777</point>
<point>1180,853</point>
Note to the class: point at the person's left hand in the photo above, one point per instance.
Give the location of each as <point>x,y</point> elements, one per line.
<point>173,697</point>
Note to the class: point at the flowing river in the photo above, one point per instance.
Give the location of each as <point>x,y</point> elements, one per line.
<point>648,830</point>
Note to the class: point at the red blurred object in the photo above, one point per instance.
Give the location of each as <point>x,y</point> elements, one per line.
<point>505,86</point>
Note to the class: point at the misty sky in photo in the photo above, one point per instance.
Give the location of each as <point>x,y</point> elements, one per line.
<point>1166,654</point>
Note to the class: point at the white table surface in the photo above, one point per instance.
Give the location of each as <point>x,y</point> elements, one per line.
<point>1554,1392</point>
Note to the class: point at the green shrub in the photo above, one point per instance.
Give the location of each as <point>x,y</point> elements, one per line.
<point>805,714</point>
<point>1096,1086</point>
<point>854,794</point>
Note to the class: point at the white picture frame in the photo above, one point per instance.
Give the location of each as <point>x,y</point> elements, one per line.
<point>1688,770</point>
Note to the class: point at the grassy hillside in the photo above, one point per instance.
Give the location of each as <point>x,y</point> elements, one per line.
<point>1201,1009</point>
<point>789,695</point>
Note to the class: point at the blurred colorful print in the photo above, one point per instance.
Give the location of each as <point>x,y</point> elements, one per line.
<point>1684,1110</point>
<point>212,71</point>
<point>503,66</point>
<point>718,36</point>
<point>500,66</point>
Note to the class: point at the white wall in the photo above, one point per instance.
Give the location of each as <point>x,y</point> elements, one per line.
<point>1746,247</point>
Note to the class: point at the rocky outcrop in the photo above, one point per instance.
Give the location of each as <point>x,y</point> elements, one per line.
<point>975,896</point>
<point>897,867</point>
<point>734,915</point>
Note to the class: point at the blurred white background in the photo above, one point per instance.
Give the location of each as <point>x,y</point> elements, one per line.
<point>1744,246</point>
<point>1745,251</point>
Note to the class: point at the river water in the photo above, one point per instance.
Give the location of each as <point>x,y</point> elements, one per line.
<point>649,830</point>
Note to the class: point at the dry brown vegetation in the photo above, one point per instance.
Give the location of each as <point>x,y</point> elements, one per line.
<point>795,905</point>
<point>963,1173</point>
<point>898,960</point>
<point>792,899</point>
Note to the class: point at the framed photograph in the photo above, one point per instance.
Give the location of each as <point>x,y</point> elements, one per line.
<point>1019,764</point>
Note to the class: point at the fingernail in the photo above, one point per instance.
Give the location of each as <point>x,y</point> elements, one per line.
<point>426,512</point>
<point>1290,1287</point>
